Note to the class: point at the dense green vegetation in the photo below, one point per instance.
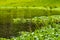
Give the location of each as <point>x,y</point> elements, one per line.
<point>30,19</point>
<point>49,30</point>
<point>15,25</point>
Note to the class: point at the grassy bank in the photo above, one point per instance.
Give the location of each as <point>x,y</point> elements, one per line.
<point>30,3</point>
<point>27,12</point>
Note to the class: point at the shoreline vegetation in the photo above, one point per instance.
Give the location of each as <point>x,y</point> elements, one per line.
<point>50,28</point>
<point>29,19</point>
<point>29,11</point>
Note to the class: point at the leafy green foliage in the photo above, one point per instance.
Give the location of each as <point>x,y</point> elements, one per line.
<point>45,33</point>
<point>12,21</point>
<point>27,24</point>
